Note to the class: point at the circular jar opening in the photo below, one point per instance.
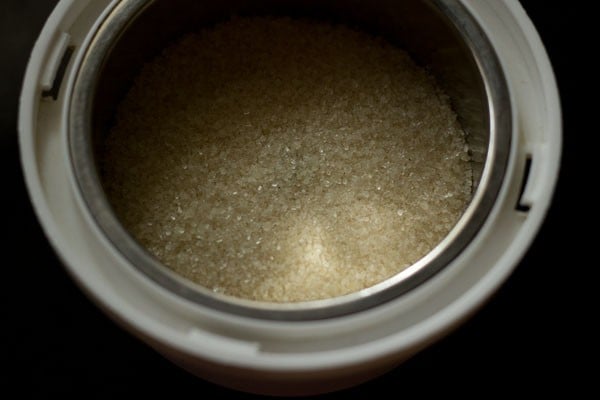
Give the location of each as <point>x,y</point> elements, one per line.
<point>440,36</point>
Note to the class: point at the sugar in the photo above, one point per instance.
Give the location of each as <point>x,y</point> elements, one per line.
<point>286,160</point>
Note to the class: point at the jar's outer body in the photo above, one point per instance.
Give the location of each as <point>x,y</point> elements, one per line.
<point>291,357</point>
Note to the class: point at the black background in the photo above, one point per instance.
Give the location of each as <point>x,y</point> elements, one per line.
<point>54,341</point>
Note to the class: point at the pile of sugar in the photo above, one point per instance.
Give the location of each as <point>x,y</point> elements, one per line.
<point>286,160</point>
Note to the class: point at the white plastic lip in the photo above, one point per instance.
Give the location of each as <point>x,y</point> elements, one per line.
<point>517,30</point>
<point>88,182</point>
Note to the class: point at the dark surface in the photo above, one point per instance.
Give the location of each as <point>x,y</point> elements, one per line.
<point>54,341</point>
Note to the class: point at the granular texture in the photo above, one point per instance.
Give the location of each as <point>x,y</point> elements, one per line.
<point>286,160</point>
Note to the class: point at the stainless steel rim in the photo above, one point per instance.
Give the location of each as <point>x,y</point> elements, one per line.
<point>90,189</point>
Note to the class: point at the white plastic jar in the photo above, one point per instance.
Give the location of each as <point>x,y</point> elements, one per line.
<point>308,349</point>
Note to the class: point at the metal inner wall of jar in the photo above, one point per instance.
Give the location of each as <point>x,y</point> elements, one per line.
<point>440,35</point>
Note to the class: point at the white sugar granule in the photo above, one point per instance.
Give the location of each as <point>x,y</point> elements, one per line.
<point>285,160</point>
